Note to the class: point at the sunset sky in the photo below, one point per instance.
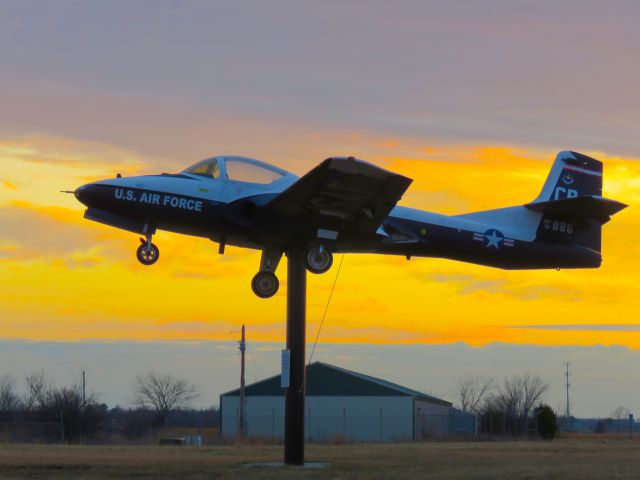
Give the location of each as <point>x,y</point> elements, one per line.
<point>470,99</point>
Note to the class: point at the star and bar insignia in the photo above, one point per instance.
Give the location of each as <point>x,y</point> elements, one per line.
<point>494,239</point>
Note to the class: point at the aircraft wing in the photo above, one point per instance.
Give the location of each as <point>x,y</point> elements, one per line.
<point>341,194</point>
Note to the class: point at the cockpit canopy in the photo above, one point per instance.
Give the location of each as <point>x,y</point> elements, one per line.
<point>239,169</point>
<point>205,168</point>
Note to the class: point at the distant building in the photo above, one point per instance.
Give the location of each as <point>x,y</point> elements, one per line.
<point>342,403</point>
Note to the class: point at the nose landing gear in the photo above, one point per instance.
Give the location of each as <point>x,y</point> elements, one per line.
<point>147,252</point>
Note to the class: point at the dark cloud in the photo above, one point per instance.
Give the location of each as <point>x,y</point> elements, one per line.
<point>147,74</point>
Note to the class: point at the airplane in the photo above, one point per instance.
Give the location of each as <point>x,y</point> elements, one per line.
<point>347,205</point>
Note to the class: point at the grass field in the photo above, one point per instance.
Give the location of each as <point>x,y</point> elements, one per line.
<point>563,459</point>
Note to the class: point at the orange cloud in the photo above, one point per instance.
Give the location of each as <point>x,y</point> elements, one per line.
<point>43,166</point>
<point>67,278</point>
<point>9,185</point>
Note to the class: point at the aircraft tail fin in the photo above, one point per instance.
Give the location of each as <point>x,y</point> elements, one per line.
<point>573,209</point>
<point>572,175</point>
<point>569,210</point>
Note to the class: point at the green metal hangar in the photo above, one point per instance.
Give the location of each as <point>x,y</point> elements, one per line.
<point>339,403</point>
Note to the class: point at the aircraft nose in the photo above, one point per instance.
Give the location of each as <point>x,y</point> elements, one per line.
<point>80,194</point>
<point>85,194</point>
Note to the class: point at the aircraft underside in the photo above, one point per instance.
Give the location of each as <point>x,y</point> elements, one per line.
<point>345,205</point>
<point>407,238</point>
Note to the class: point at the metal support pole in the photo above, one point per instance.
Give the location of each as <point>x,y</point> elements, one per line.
<point>241,426</point>
<point>296,326</point>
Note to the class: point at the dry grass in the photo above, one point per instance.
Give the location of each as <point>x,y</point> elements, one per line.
<point>611,436</point>
<point>564,459</point>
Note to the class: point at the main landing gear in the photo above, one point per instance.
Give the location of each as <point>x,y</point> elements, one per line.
<point>265,284</point>
<point>147,252</point>
<point>318,259</point>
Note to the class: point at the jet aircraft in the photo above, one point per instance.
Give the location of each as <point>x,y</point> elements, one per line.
<point>346,205</point>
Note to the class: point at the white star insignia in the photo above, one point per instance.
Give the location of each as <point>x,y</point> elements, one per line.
<point>494,240</point>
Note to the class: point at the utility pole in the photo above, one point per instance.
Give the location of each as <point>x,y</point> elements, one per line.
<point>567,413</point>
<point>242,348</point>
<point>84,390</point>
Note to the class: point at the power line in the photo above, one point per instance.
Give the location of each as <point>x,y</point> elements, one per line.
<point>253,359</point>
<point>326,308</point>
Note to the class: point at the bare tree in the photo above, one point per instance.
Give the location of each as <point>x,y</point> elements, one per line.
<point>9,400</point>
<point>163,393</point>
<point>471,390</point>
<point>619,415</point>
<point>83,416</point>
<point>38,391</point>
<point>517,397</point>
<point>533,389</point>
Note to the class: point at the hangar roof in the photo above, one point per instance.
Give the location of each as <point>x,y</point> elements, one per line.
<point>328,380</point>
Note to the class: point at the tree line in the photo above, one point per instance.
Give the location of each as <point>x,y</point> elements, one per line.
<point>74,415</point>
<point>510,407</point>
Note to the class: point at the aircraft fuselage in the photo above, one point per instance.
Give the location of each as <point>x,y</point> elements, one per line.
<point>345,205</point>
<point>182,207</point>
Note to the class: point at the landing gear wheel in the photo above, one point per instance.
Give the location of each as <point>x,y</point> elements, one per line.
<point>265,284</point>
<point>148,254</point>
<point>318,260</point>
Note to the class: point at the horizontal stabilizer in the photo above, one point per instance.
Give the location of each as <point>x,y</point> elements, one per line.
<point>587,207</point>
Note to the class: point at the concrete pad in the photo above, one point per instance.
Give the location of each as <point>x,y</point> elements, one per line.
<point>307,465</point>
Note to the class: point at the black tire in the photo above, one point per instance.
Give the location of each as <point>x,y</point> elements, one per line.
<point>265,284</point>
<point>318,261</point>
<point>147,256</point>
